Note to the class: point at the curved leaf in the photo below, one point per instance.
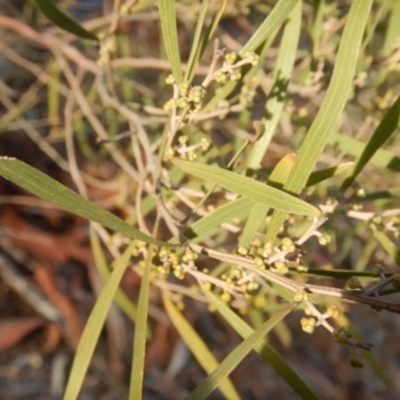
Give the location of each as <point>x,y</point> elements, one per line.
<point>277,16</point>
<point>48,8</point>
<point>248,187</point>
<point>387,127</point>
<point>54,192</point>
<point>266,351</point>
<point>93,327</point>
<point>197,346</point>
<point>236,356</point>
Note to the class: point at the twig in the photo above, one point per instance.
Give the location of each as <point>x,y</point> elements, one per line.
<point>294,286</point>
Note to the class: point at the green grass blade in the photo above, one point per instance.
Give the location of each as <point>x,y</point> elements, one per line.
<point>236,356</point>
<point>215,21</point>
<point>197,346</point>
<point>317,26</point>
<point>170,36</point>
<point>387,127</point>
<point>200,43</point>
<point>393,29</point>
<point>248,187</point>
<point>48,8</point>
<point>267,352</point>
<point>197,44</point>
<point>54,192</point>
<point>139,343</point>
<point>120,298</point>
<point>277,98</point>
<point>94,326</point>
<point>273,21</point>
<point>332,105</point>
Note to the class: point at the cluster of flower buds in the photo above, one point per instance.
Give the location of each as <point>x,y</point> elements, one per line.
<point>167,260</point>
<point>268,256</point>
<point>186,151</point>
<point>189,97</point>
<point>230,70</point>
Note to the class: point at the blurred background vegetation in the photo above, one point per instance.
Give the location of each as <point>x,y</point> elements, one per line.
<point>91,116</point>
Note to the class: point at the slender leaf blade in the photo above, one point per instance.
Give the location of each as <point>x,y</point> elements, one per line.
<point>236,356</point>
<point>387,127</point>
<point>277,16</point>
<point>94,326</point>
<point>197,346</point>
<point>60,19</point>
<point>120,298</point>
<point>382,158</point>
<point>197,44</point>
<point>170,36</point>
<point>139,343</point>
<point>332,105</point>
<point>278,94</point>
<point>248,187</point>
<point>54,192</point>
<point>267,352</point>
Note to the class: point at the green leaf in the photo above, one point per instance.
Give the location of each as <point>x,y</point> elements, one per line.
<point>387,127</point>
<point>170,36</point>
<point>197,346</point>
<point>338,273</point>
<point>278,94</point>
<point>197,44</point>
<point>139,343</point>
<point>120,298</point>
<point>49,189</point>
<point>333,103</point>
<point>277,16</point>
<point>236,356</point>
<point>48,8</point>
<point>248,187</point>
<point>94,326</point>
<point>392,29</point>
<point>335,99</point>
<point>200,42</point>
<point>267,352</point>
